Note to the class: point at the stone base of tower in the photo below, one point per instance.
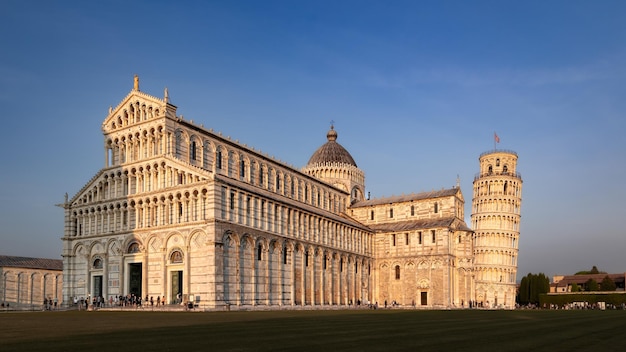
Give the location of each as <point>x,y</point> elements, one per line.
<point>495,296</point>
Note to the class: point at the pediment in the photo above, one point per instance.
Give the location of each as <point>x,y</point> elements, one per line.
<point>137,108</point>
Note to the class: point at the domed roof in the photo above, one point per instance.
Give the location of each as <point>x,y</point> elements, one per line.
<point>331,152</point>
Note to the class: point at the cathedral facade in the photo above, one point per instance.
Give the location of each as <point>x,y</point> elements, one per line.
<point>184,213</point>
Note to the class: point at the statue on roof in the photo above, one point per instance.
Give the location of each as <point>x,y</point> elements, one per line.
<point>136,83</point>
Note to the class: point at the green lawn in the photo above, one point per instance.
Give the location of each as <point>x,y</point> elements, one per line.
<point>321,331</point>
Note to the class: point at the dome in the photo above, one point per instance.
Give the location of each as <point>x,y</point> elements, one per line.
<point>331,152</point>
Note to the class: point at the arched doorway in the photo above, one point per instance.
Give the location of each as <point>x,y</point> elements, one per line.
<point>176,277</point>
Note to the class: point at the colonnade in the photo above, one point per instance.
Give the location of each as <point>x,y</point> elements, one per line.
<point>29,288</point>
<point>275,217</point>
<point>260,271</point>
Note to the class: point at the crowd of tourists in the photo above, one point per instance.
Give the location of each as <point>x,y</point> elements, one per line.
<point>121,301</point>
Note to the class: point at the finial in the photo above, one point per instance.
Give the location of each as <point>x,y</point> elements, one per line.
<point>166,97</point>
<point>332,134</point>
<point>458,181</point>
<point>136,83</point>
<point>110,109</point>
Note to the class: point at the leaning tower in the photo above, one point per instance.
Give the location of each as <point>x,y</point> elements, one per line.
<point>495,220</point>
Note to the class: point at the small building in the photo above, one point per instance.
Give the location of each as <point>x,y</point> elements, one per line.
<point>27,282</point>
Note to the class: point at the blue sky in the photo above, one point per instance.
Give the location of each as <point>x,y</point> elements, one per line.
<point>416,90</point>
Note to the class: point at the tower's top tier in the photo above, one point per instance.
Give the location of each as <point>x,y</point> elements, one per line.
<point>498,163</point>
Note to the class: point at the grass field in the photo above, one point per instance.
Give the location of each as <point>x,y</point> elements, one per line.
<point>325,331</point>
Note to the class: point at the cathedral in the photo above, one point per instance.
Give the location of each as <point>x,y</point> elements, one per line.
<point>181,212</point>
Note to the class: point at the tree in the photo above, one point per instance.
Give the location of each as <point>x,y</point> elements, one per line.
<point>607,284</point>
<point>523,291</point>
<point>594,270</point>
<point>592,285</point>
<point>531,286</point>
<point>575,287</point>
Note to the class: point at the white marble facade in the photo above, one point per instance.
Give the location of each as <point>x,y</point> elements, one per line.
<point>180,209</point>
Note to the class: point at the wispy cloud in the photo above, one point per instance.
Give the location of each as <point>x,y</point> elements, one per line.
<point>527,77</point>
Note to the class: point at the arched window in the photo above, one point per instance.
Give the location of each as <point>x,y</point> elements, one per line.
<point>176,257</point>
<point>259,252</point>
<point>193,150</point>
<point>372,215</point>
<point>218,159</point>
<point>284,255</point>
<point>505,169</point>
<point>397,272</point>
<point>261,176</point>
<point>97,263</point>
<point>490,169</point>
<point>436,207</point>
<point>242,168</point>
<point>497,162</point>
<point>133,248</point>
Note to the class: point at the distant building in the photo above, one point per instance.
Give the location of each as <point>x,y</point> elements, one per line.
<point>26,282</point>
<point>563,283</point>
<point>181,212</point>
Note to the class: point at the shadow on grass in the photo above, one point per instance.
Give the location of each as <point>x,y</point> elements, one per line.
<point>337,331</point>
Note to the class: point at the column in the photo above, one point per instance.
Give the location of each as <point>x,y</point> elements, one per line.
<point>187,273</point>
<point>144,272</point>
<point>293,276</point>
<point>165,278</point>
<point>268,278</point>
<point>254,271</point>
<point>105,276</point>
<point>281,276</point>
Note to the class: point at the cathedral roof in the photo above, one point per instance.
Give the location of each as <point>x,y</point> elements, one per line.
<point>331,152</point>
<point>407,197</point>
<point>421,224</point>
<point>31,263</point>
